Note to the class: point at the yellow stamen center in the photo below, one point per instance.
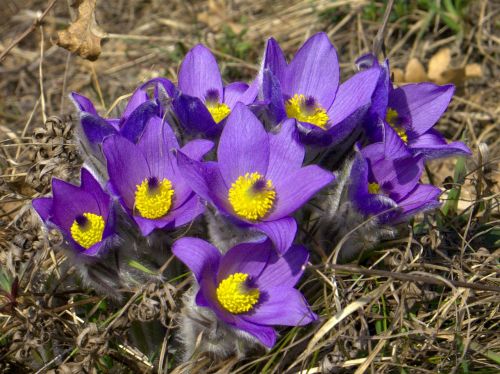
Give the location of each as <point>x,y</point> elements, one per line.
<point>306,110</point>
<point>373,188</point>
<point>251,196</point>
<point>391,118</point>
<point>87,229</point>
<point>235,296</point>
<point>219,111</point>
<point>153,199</point>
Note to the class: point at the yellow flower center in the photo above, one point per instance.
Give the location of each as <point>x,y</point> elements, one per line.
<point>391,118</point>
<point>153,199</point>
<point>306,109</point>
<point>87,229</point>
<point>373,188</point>
<point>251,196</point>
<point>219,111</point>
<point>235,296</point>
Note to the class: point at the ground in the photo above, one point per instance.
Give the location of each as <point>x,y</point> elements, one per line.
<point>398,309</point>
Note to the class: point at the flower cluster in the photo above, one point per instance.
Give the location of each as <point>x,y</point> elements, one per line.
<point>249,157</point>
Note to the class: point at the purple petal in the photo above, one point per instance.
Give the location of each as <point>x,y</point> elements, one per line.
<point>433,145</point>
<point>198,255</point>
<point>423,197</point>
<point>167,85</point>
<point>296,188</point>
<point>196,149</point>
<point>95,128</point>
<point>157,144</point>
<point>194,116</point>
<point>274,60</point>
<point>285,270</point>
<point>421,103</point>
<point>353,95</point>
<point>82,103</point>
<point>315,136</point>
<point>365,202</point>
<point>125,175</point>
<point>281,232</point>
<point>199,73</point>
<point>69,202</point>
<point>278,300</point>
<point>90,184</point>
<point>286,154</point>
<point>138,97</point>
<point>205,180</point>
<point>43,206</point>
<point>265,334</point>
<point>247,258</point>
<point>271,91</point>
<point>186,213</point>
<point>314,71</point>
<point>134,125</point>
<point>238,92</point>
<point>242,136</point>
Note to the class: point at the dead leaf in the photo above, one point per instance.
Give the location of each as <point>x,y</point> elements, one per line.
<point>83,36</point>
<point>473,71</point>
<point>455,76</point>
<point>415,71</point>
<point>438,64</point>
<point>398,75</point>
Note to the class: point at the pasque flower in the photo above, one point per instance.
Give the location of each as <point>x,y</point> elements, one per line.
<point>251,287</point>
<point>307,89</point>
<point>140,108</point>
<point>411,111</point>
<point>204,102</point>
<point>385,182</point>
<point>146,178</point>
<point>83,214</point>
<point>258,178</point>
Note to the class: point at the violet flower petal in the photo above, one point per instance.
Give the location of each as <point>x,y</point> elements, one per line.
<point>297,188</point>
<point>314,71</point>
<point>125,175</point>
<point>284,271</point>
<point>198,255</point>
<point>247,258</point>
<point>422,103</point>
<point>194,116</point>
<point>433,145</point>
<point>280,231</point>
<point>243,135</point>
<point>199,73</point>
<point>286,154</point>
<point>278,300</point>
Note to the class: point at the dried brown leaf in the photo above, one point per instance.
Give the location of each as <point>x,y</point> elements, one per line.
<point>415,71</point>
<point>438,64</point>
<point>473,71</point>
<point>398,75</point>
<point>455,76</point>
<point>83,36</point>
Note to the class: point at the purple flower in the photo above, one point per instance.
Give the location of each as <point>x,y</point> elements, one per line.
<point>308,90</point>
<point>83,214</point>
<point>384,182</point>
<point>146,178</point>
<point>250,287</point>
<point>258,178</point>
<point>137,113</point>
<point>411,111</point>
<point>204,102</point>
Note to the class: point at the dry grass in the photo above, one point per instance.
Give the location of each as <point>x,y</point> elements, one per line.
<point>411,314</point>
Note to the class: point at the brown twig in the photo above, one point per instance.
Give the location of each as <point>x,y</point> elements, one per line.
<point>32,28</point>
<point>412,277</point>
<point>378,41</point>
